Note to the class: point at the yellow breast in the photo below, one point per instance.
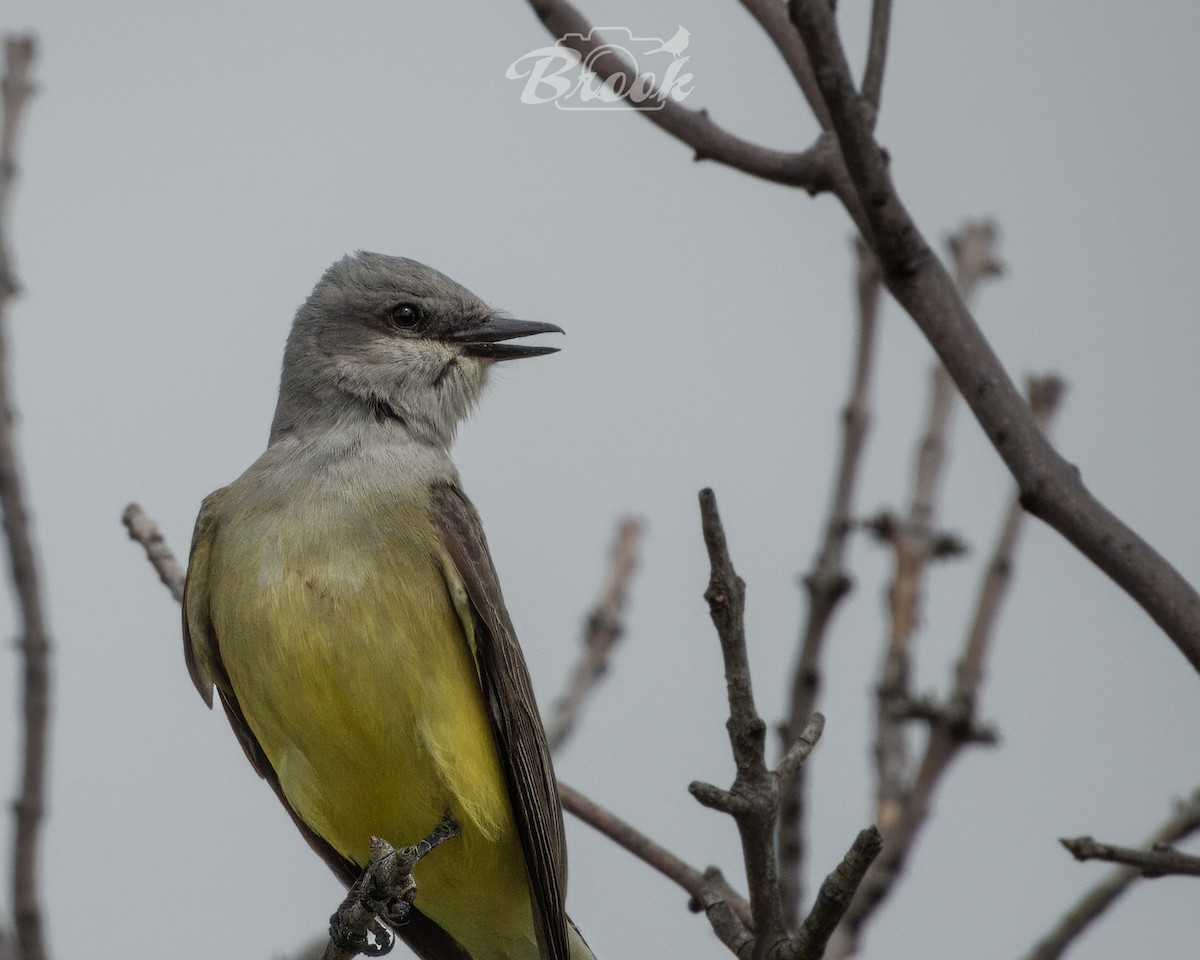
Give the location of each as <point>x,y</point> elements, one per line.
<point>337,627</point>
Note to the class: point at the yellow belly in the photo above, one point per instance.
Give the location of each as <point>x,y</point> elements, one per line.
<point>354,671</point>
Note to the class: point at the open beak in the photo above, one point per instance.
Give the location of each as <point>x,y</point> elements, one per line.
<point>486,339</point>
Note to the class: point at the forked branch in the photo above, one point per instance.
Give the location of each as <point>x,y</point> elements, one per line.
<point>754,798</point>
<point>1050,487</point>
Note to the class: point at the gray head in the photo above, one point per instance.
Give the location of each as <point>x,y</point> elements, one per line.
<point>391,341</point>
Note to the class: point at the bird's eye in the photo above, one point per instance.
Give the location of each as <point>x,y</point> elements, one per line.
<point>405,314</point>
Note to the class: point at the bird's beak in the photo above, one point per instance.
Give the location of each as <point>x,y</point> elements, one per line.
<point>485,339</point>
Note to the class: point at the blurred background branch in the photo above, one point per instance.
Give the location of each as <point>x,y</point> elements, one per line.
<point>17,87</point>
<point>603,628</point>
<point>1184,822</point>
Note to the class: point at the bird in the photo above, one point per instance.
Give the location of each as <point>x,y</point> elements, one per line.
<point>342,603</point>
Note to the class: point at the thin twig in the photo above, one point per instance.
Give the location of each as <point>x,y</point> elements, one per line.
<point>827,582</point>
<point>954,725</point>
<point>602,630</point>
<point>145,531</point>
<point>877,47</point>
<point>835,895</point>
<point>772,17</point>
<point>973,251</point>
<point>1161,861</point>
<point>915,542</point>
<point>912,544</point>
<point>1183,823</point>
<point>1045,395</point>
<point>17,87</point>
<point>1051,487</point>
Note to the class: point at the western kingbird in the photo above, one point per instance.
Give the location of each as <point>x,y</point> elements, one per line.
<point>341,599</point>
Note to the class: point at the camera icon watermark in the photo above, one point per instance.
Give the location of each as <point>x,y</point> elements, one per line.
<point>640,72</point>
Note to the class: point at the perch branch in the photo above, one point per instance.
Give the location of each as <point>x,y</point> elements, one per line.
<point>384,894</point>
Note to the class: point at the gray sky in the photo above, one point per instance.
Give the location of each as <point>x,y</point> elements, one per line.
<point>190,171</point>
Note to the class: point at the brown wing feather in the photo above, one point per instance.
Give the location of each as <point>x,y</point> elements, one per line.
<point>516,723</point>
<point>426,939</point>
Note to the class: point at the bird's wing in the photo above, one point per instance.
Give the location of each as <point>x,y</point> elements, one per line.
<point>202,651</point>
<point>516,724</point>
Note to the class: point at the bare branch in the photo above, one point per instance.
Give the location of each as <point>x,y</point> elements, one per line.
<point>1183,823</point>
<point>794,757</point>
<point>753,801</point>
<point>973,249</point>
<point>17,87</point>
<point>1045,394</point>
<point>835,895</point>
<point>725,923</point>
<point>145,531</point>
<point>698,884</point>
<point>954,725</point>
<point>602,631</point>
<point>811,169</point>
<point>954,716</point>
<point>772,17</point>
<point>1051,487</point>
<point>827,582</point>
<point>911,542</point>
<point>1157,862</point>
<point>877,46</point>
<point>915,542</point>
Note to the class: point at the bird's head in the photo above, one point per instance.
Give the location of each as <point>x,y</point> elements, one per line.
<point>393,340</point>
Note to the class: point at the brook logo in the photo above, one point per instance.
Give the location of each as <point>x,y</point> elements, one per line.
<point>642,72</point>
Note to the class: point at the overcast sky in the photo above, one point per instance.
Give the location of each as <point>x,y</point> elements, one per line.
<point>189,171</point>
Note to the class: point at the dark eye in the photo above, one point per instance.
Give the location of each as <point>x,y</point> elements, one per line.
<point>405,314</point>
